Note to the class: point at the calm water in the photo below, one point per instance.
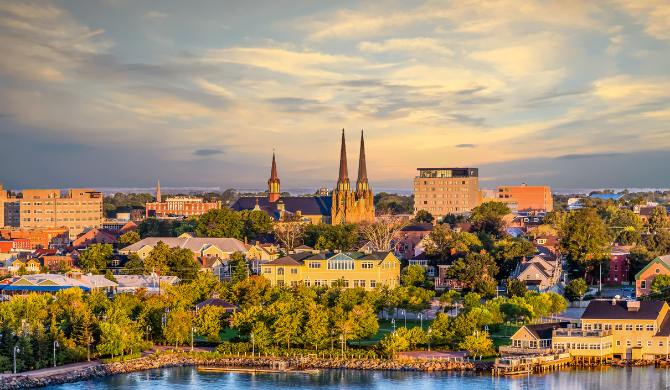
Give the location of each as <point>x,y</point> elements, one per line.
<point>189,378</point>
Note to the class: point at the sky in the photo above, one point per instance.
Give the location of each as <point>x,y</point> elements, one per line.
<point>120,93</point>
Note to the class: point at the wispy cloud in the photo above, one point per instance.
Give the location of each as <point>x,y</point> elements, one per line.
<point>465,146</point>
<point>155,15</point>
<point>207,152</point>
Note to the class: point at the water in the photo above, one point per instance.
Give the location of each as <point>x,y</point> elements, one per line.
<point>635,378</point>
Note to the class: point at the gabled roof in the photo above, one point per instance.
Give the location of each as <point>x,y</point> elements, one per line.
<point>300,258</point>
<point>449,261</point>
<point>418,227</point>
<point>307,205</point>
<point>215,301</point>
<point>208,262</point>
<point>543,331</point>
<point>648,310</point>
<point>662,261</point>
<point>227,245</point>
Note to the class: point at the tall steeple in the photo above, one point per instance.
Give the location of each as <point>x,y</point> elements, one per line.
<point>343,180</point>
<point>362,182</point>
<point>158,193</point>
<point>273,183</point>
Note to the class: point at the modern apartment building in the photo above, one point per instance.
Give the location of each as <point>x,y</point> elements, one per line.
<point>80,210</point>
<point>442,191</point>
<point>528,198</point>
<point>180,205</point>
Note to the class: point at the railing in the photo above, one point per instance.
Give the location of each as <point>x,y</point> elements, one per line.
<point>512,350</point>
<point>581,333</point>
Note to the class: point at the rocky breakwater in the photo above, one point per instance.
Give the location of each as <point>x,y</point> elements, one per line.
<point>29,381</point>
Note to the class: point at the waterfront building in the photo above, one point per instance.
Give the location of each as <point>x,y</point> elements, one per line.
<point>618,329</point>
<point>352,269</point>
<point>346,205</point>
<point>643,279</point>
<point>532,339</point>
<point>442,191</point>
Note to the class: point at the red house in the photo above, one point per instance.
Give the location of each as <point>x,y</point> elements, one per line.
<point>619,267</point>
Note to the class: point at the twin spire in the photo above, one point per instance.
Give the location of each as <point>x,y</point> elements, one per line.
<point>343,180</point>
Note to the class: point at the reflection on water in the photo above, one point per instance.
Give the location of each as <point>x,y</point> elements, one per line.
<point>635,378</point>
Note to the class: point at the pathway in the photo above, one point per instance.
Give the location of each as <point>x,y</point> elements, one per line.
<point>56,370</point>
<point>434,354</point>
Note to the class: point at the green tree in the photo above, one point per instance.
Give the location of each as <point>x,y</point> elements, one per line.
<point>63,267</point>
<point>449,300</point>
<point>134,265</point>
<point>477,343</point>
<point>159,259</point>
<point>255,223</point>
<point>629,236</point>
<point>509,252</point>
<point>658,220</point>
<point>153,227</point>
<point>575,289</point>
<point>238,267</point>
<point>188,225</point>
<point>660,283</point>
<point>392,343</point>
<point>111,339</point>
<point>316,328</point>
<point>182,263</point>
<point>496,209</point>
<point>210,321</point>
<point>178,327</point>
<point>332,237</point>
<point>97,257</point>
<point>658,243</point>
<point>22,270</point>
<point>490,224</point>
<point>128,239</point>
<point>221,223</point>
<point>423,216</point>
<point>555,219</point>
<point>624,218</point>
<point>413,275</point>
<point>557,303</point>
<point>474,270</point>
<point>585,242</point>
<point>517,288</point>
<point>442,241</point>
<point>109,276</point>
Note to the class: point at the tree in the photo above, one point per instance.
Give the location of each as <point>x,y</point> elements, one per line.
<point>517,288</point>
<point>111,339</point>
<point>289,230</point>
<point>629,236</point>
<point>624,218</point>
<point>182,264</point>
<point>585,241</point>
<point>159,259</point>
<point>238,267</point>
<point>509,252</point>
<point>575,289</point>
<point>153,227</point>
<point>658,243</point>
<point>380,234</point>
<point>134,265</point>
<point>209,322</point>
<point>658,220</point>
<point>128,239</point>
<point>332,237</point>
<point>474,270</point>
<point>491,224</point>
<point>555,219</point>
<point>393,342</point>
<point>413,275</point>
<point>63,267</point>
<point>441,241</point>
<point>109,276</point>
<point>222,223</point>
<point>449,300</point>
<point>557,303</point>
<point>660,283</point>
<point>188,225</point>
<point>316,327</point>
<point>178,327</point>
<point>255,223</point>
<point>487,209</point>
<point>97,257</point>
<point>423,216</point>
<point>480,342</point>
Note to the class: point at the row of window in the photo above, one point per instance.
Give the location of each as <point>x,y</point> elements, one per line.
<point>333,282</point>
<point>442,209</point>
<point>439,196</point>
<point>441,182</point>
<point>629,327</point>
<point>91,211</point>
<point>443,202</point>
<point>82,203</point>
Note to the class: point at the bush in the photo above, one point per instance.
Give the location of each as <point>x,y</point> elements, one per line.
<point>233,348</point>
<point>123,358</point>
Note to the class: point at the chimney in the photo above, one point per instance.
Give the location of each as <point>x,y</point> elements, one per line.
<point>245,240</point>
<point>483,251</point>
<point>258,243</point>
<point>613,301</point>
<point>453,251</point>
<point>633,305</point>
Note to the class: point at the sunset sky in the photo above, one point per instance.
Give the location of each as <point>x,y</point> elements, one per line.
<point>119,93</point>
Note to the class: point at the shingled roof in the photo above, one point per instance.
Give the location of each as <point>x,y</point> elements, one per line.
<point>605,310</point>
<point>300,258</point>
<point>307,205</point>
<point>195,244</point>
<point>544,331</point>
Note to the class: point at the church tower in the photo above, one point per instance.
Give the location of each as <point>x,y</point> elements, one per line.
<point>352,205</point>
<point>362,184</point>
<point>158,193</point>
<point>273,183</point>
<point>365,207</point>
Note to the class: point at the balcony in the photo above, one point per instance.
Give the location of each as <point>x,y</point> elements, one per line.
<point>511,350</point>
<point>578,332</point>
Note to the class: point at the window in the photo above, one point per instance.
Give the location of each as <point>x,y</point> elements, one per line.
<point>294,271</point>
<point>660,343</point>
<point>643,284</point>
<point>658,270</point>
<point>294,283</point>
<point>618,343</point>
<point>616,267</point>
<point>639,341</point>
<point>314,264</point>
<point>307,282</point>
<point>587,326</point>
<point>649,343</point>
<point>608,327</point>
<point>639,327</point>
<point>267,270</point>
<point>618,327</point>
<point>280,271</point>
<point>367,265</point>
<point>373,283</point>
<point>650,328</point>
<point>628,342</point>
<point>340,264</point>
<point>280,283</point>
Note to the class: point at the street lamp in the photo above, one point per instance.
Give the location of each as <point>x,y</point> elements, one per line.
<point>421,318</point>
<point>393,323</point>
<point>55,346</point>
<point>430,330</point>
<point>342,342</point>
<point>253,345</point>
<point>192,330</point>
<point>405,314</point>
<point>148,331</point>
<point>16,349</point>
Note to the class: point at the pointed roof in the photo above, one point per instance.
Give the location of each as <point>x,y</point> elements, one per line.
<point>344,174</point>
<point>362,169</point>
<point>273,173</point>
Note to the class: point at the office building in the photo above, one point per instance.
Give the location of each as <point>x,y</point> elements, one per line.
<point>442,191</point>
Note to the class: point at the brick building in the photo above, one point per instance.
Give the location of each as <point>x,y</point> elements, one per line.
<point>180,205</point>
<point>528,198</point>
<point>442,191</point>
<point>80,210</point>
<point>57,238</point>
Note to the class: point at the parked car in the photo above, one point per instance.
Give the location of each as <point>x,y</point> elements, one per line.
<point>627,288</point>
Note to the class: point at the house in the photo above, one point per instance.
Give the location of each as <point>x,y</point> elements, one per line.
<point>618,329</point>
<point>643,279</point>
<point>442,280</point>
<point>533,339</point>
<point>406,239</point>
<point>54,262</point>
<point>643,211</point>
<point>95,236</point>
<point>32,265</point>
<point>352,269</point>
<point>540,272</point>
<point>551,243</point>
<point>303,248</point>
<point>216,301</point>
<point>216,266</point>
<point>619,267</point>
<point>261,253</point>
<point>132,283</point>
<point>50,283</point>
<point>201,247</point>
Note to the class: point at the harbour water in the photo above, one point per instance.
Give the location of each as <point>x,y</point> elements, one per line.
<point>635,378</point>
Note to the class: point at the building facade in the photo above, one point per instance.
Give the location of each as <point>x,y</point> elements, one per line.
<point>644,278</point>
<point>348,269</point>
<point>528,198</point>
<point>442,191</point>
<point>180,205</point>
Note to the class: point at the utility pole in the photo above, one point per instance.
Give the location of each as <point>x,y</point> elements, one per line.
<point>55,346</point>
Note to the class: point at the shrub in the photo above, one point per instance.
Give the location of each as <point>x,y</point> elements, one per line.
<point>123,358</point>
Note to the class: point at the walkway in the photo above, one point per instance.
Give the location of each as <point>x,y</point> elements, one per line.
<point>56,370</point>
<point>434,354</point>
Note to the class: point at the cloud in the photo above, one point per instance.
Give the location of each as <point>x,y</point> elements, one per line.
<point>293,104</point>
<point>586,155</point>
<point>465,146</point>
<point>428,45</point>
<point>207,152</point>
<point>155,15</point>
<point>83,37</point>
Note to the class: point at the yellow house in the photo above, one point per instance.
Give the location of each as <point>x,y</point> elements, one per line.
<point>353,269</point>
<point>32,265</point>
<point>263,252</point>
<point>618,329</point>
<point>201,247</point>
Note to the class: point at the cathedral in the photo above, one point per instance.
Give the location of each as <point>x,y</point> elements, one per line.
<point>346,205</point>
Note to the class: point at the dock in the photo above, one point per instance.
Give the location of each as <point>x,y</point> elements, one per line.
<point>253,370</point>
<point>518,365</point>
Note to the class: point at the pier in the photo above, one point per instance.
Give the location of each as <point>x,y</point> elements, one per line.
<point>517,365</point>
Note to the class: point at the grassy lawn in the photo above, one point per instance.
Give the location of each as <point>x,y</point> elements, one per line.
<point>498,342</point>
<point>510,329</point>
<point>226,335</point>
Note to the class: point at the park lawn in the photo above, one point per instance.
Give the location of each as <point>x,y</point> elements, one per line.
<point>497,342</point>
<point>226,335</point>
<point>510,329</point>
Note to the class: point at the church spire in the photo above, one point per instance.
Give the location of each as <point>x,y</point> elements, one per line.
<point>362,182</point>
<point>158,193</point>
<point>343,180</point>
<point>273,183</point>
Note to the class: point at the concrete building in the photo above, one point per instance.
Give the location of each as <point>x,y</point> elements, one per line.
<point>442,191</point>
<point>528,198</point>
<point>492,196</point>
<point>80,210</point>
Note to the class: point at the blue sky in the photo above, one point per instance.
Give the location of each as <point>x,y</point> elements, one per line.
<point>116,93</point>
